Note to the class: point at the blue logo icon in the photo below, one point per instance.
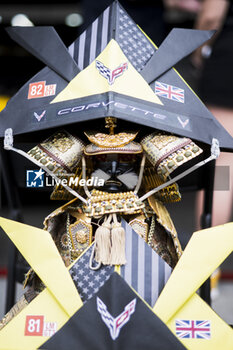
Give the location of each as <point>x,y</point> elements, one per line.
<point>35,178</point>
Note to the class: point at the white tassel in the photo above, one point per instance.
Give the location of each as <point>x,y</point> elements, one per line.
<point>103,242</point>
<point>118,243</point>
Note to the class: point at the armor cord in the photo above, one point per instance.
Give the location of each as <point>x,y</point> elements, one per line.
<point>140,174</point>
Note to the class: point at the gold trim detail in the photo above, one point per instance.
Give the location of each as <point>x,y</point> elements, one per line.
<point>130,148</point>
<point>164,219</point>
<point>80,233</point>
<point>140,227</point>
<point>102,203</point>
<point>110,141</point>
<point>167,152</point>
<point>15,310</point>
<point>60,153</point>
<point>169,194</point>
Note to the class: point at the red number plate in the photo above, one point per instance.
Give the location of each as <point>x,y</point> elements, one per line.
<point>34,325</point>
<point>36,89</point>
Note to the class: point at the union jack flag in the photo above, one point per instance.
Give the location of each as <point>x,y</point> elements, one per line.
<point>109,74</point>
<point>193,329</point>
<point>169,91</point>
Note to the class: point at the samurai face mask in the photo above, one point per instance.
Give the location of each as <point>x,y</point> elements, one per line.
<point>119,172</point>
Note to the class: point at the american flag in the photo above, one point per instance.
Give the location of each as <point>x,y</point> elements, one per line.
<point>87,281</point>
<point>145,271</point>
<point>169,91</point>
<point>133,42</point>
<point>193,329</point>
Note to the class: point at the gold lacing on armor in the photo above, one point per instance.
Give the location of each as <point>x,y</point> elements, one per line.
<point>19,306</point>
<point>163,217</point>
<point>102,203</point>
<point>152,180</point>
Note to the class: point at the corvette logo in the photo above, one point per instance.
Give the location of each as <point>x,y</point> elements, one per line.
<point>115,324</point>
<point>39,116</point>
<point>183,123</point>
<point>109,74</point>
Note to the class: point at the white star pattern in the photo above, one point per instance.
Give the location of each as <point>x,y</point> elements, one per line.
<point>88,253</point>
<point>91,284</point>
<point>88,281</point>
<point>128,35</point>
<point>131,39</point>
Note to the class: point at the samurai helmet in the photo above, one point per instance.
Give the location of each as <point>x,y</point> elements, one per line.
<point>121,143</point>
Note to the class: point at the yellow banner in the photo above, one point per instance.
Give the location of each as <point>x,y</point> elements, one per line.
<point>34,324</point>
<point>184,312</point>
<point>110,71</point>
<point>212,334</point>
<point>206,250</point>
<point>41,253</point>
<point>49,311</point>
